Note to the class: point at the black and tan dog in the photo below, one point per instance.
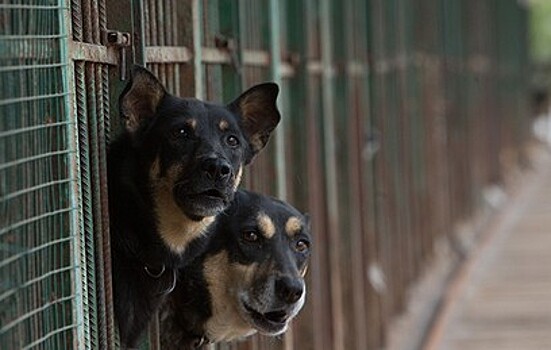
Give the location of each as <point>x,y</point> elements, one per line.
<point>251,278</point>
<point>174,168</point>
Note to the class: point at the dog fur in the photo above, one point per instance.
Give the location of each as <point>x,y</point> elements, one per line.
<point>174,168</point>
<point>251,277</point>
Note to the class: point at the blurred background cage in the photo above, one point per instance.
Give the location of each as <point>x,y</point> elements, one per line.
<point>396,116</point>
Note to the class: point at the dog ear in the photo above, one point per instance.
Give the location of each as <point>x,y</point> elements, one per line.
<point>140,98</point>
<point>258,114</point>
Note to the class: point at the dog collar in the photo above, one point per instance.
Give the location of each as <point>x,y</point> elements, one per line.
<point>152,274</point>
<point>156,275</point>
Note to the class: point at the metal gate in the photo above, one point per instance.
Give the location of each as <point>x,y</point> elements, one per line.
<point>396,116</point>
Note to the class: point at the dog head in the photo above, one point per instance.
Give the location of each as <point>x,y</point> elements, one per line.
<point>255,278</point>
<point>195,150</point>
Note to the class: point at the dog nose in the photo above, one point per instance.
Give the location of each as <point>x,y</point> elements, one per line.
<point>216,168</point>
<point>289,289</point>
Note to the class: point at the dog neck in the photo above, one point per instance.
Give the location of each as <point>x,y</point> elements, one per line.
<point>175,228</point>
<point>226,324</point>
<point>134,196</point>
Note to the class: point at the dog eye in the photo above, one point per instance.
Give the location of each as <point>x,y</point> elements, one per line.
<point>250,236</point>
<point>232,141</point>
<point>302,246</point>
<point>180,132</point>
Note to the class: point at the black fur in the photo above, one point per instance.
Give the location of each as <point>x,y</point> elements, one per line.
<point>187,311</point>
<point>174,149</point>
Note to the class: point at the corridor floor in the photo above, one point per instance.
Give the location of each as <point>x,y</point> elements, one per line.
<point>502,297</point>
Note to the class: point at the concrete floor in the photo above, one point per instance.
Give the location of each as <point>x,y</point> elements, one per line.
<point>502,297</point>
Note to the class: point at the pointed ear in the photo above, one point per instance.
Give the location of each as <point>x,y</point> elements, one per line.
<point>258,114</point>
<point>140,98</point>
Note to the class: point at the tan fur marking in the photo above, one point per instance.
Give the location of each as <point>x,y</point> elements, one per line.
<point>192,123</point>
<point>175,228</point>
<point>224,281</point>
<point>303,271</point>
<point>238,178</point>
<point>266,225</point>
<point>223,124</point>
<point>293,226</point>
<point>155,169</point>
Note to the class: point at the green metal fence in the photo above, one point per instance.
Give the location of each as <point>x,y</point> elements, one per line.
<point>39,288</point>
<point>396,116</point>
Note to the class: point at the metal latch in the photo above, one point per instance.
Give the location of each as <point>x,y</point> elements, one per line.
<point>230,46</point>
<point>120,40</point>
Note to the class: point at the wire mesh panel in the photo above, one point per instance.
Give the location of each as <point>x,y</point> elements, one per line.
<point>38,204</point>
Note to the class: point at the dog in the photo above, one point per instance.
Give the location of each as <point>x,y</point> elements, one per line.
<point>176,165</point>
<point>250,279</point>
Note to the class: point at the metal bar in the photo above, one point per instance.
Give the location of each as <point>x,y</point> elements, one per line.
<point>94,115</point>
<point>352,76</point>
<point>104,256</point>
<point>330,167</point>
<point>86,8</point>
<point>147,19</point>
<point>35,311</point>
<point>14,132</point>
<point>95,18</point>
<point>32,7</point>
<point>31,66</point>
<point>75,23</point>
<point>168,54</point>
<point>33,158</point>
<point>279,137</point>
<point>33,37</point>
<point>28,190</point>
<point>32,281</point>
<point>196,19</point>
<point>213,55</point>
<point>175,40</point>
<point>275,68</point>
<point>94,53</point>
<point>138,47</point>
<point>178,54</point>
<point>105,125</point>
<point>31,98</point>
<point>86,223</point>
<point>47,336</point>
<point>33,250</point>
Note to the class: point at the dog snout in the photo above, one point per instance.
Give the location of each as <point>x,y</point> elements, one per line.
<point>216,168</point>
<point>289,290</point>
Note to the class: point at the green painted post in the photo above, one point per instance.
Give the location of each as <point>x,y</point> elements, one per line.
<point>138,23</point>
<point>82,338</point>
<point>230,24</point>
<point>196,19</point>
<point>331,170</point>
<point>275,69</point>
